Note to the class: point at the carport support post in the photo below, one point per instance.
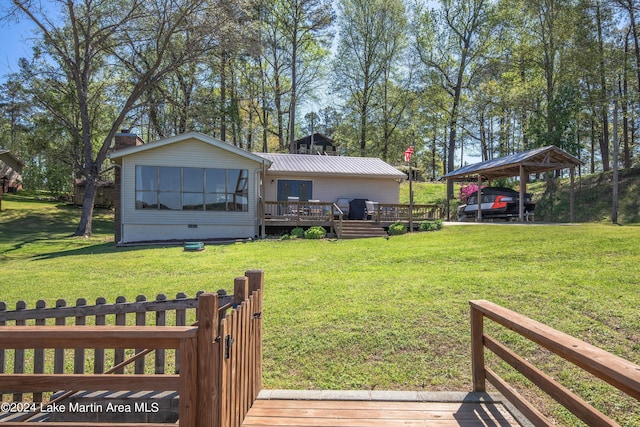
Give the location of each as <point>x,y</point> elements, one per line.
<point>479,216</point>
<point>572,196</point>
<point>523,191</point>
<point>448,202</point>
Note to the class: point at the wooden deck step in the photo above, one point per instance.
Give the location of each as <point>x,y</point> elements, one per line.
<point>340,413</point>
<point>355,229</point>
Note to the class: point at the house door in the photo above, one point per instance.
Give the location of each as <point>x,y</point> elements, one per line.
<point>294,188</point>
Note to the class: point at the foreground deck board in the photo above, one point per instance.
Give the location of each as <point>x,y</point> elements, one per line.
<point>338,413</point>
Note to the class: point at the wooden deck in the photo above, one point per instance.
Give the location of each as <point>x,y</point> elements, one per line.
<point>339,413</point>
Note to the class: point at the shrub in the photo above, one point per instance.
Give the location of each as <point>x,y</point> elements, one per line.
<point>431,225</point>
<point>397,229</point>
<point>466,190</point>
<point>297,232</point>
<point>285,237</point>
<point>315,233</point>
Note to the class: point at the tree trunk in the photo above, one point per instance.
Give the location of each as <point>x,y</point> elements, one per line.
<point>86,219</point>
<point>294,84</point>
<point>363,130</point>
<point>453,127</point>
<point>624,92</point>
<point>604,142</point>
<point>223,97</point>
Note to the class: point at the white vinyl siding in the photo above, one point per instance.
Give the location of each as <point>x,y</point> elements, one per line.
<point>329,189</point>
<point>150,224</point>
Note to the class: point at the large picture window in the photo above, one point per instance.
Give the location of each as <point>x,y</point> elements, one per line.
<point>192,189</point>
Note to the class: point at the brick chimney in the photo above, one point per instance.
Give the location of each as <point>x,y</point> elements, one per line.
<point>124,139</point>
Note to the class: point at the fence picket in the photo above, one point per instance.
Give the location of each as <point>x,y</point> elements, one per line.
<point>224,371</point>
<point>38,353</point>
<point>78,359</point>
<point>141,320</point>
<point>58,356</point>
<point>161,320</point>
<point>233,391</point>
<point>3,308</point>
<point>121,320</point>
<point>18,355</point>
<point>98,353</point>
<point>181,320</point>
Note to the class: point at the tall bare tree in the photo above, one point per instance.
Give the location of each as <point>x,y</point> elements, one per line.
<point>370,32</point>
<point>112,53</point>
<point>451,42</point>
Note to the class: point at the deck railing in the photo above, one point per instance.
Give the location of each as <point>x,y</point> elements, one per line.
<point>217,365</point>
<point>616,371</point>
<point>309,213</point>
<point>388,212</point>
<point>300,212</point>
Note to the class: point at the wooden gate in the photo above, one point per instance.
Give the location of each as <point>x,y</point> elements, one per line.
<point>217,368</point>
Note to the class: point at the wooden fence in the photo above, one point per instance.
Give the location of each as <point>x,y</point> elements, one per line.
<point>217,368</point>
<point>616,371</point>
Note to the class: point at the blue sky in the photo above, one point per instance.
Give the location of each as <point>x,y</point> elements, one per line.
<point>15,44</point>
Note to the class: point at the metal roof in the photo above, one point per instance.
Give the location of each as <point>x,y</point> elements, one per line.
<point>308,164</point>
<point>538,160</point>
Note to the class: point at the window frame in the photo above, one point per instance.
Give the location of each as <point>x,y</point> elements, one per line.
<point>229,197</point>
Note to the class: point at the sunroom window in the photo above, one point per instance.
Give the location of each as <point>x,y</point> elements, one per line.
<point>192,189</point>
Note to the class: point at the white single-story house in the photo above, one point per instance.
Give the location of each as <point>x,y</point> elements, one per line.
<point>195,187</point>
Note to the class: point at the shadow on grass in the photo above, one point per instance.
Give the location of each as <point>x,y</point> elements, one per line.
<point>98,249</point>
<point>20,227</point>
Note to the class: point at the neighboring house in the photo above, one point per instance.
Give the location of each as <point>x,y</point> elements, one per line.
<point>105,193</point>
<point>10,172</point>
<point>195,187</point>
<point>315,144</point>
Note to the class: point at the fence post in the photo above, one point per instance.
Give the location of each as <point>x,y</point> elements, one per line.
<point>477,350</point>
<point>208,406</point>
<point>256,283</point>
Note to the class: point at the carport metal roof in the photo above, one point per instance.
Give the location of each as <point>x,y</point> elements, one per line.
<point>538,160</point>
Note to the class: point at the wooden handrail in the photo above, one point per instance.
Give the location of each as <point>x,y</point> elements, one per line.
<point>612,369</point>
<point>94,336</point>
<point>45,382</point>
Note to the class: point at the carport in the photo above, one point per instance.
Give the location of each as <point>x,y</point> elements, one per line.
<point>523,164</point>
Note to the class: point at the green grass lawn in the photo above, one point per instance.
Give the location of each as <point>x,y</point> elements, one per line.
<point>363,314</point>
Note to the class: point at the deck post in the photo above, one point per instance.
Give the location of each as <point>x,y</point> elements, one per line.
<point>477,350</point>
<point>208,412</point>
